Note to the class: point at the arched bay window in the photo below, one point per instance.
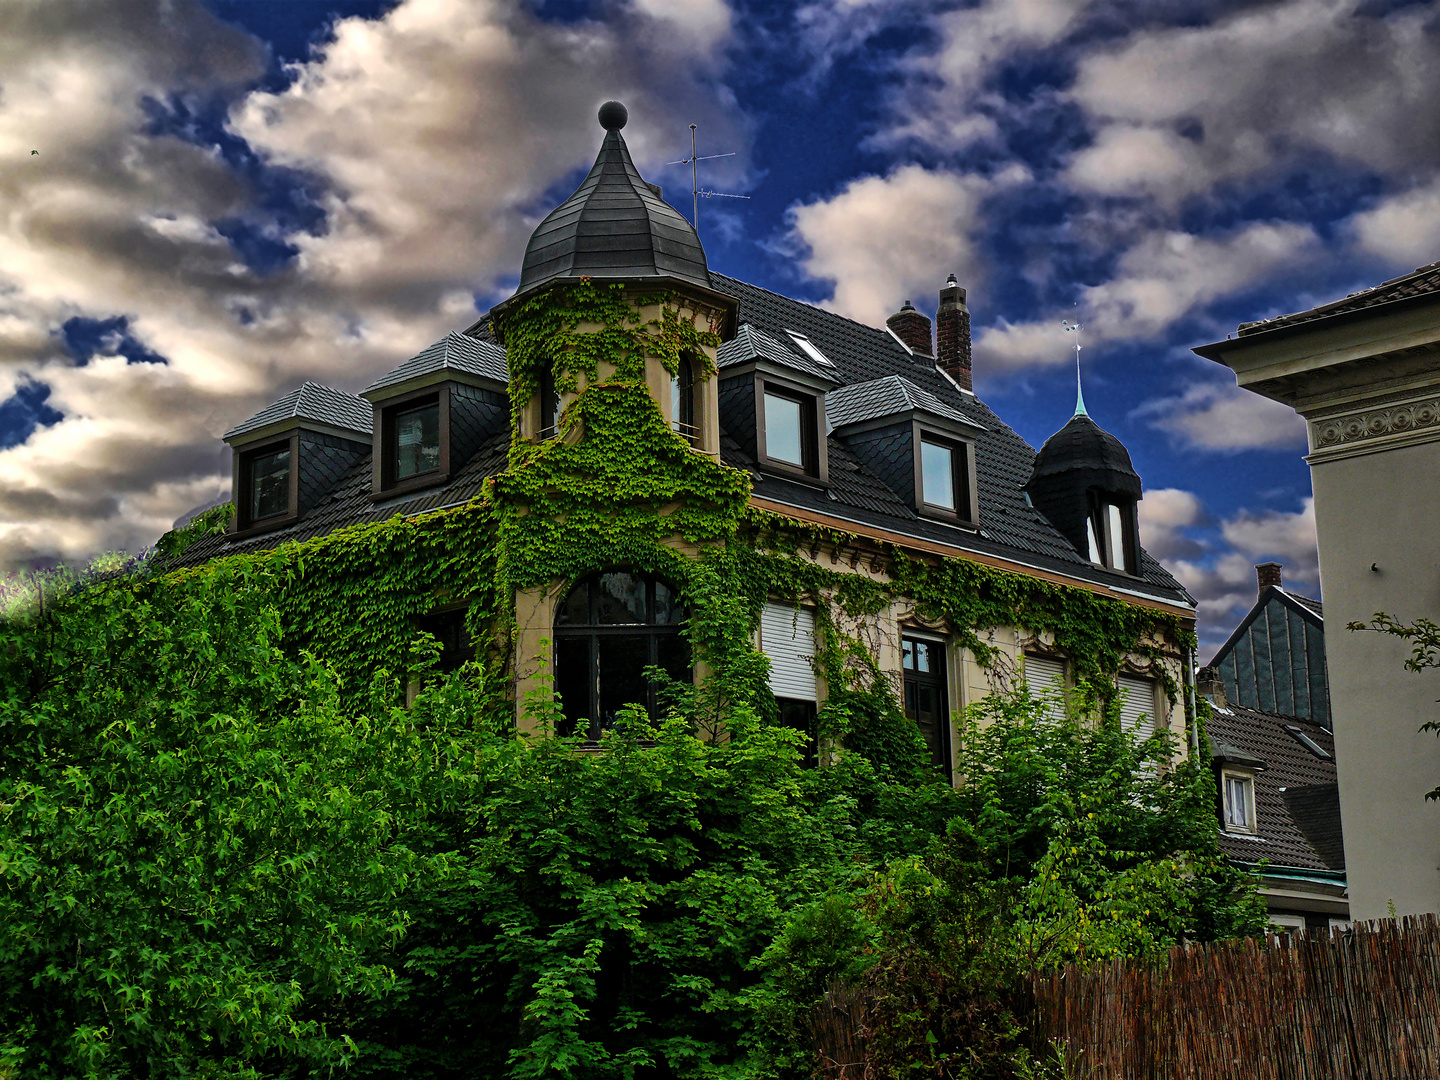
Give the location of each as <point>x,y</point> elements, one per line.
<point>608,629</point>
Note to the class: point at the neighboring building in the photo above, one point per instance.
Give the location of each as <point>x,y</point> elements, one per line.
<point>873,436</point>
<point>1364,372</point>
<point>1275,659</point>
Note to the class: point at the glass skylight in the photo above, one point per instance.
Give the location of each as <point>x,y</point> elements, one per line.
<point>808,347</point>
<point>1307,742</point>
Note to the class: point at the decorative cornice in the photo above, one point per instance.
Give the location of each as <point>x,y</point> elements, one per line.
<point>1378,427</point>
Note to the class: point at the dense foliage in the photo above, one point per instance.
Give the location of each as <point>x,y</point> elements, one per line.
<point>231,849</point>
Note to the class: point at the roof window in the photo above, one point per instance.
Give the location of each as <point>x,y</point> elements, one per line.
<point>808,347</point>
<point>1307,742</point>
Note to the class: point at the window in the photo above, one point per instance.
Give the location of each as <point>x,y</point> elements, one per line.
<point>682,401</point>
<point>455,644</point>
<point>413,439</point>
<point>549,402</point>
<point>1239,803</point>
<point>1306,741</point>
<point>267,498</point>
<point>787,637</point>
<point>801,716</point>
<point>923,674</point>
<point>417,441</point>
<point>608,629</point>
<point>937,474</point>
<point>1046,676</point>
<point>1111,533</point>
<point>270,483</point>
<point>808,348</point>
<point>791,438</point>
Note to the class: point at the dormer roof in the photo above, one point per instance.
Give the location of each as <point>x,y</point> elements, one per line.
<point>614,226</point>
<point>889,396</point>
<point>750,344</point>
<point>454,353</point>
<point>313,403</point>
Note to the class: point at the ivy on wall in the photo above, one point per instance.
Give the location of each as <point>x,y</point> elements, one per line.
<point>618,487</point>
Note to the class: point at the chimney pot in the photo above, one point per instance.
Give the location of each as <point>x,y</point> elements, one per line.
<point>952,334</point>
<point>1267,573</point>
<point>913,328</point>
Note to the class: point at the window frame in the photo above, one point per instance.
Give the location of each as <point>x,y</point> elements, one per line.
<point>814,467</point>
<point>386,447</point>
<point>245,456</point>
<point>683,392</point>
<point>592,632</point>
<point>939,679</point>
<point>1247,781</point>
<point>1100,533</point>
<point>962,460</point>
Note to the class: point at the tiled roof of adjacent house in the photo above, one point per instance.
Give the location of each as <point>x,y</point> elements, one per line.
<point>1423,280</point>
<point>1010,528</point>
<point>314,402</point>
<point>1297,800</point>
<point>878,398</point>
<point>455,352</point>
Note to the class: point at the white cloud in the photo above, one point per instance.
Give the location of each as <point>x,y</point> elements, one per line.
<point>1219,416</point>
<point>433,135</point>
<point>1165,276</point>
<point>1164,515</point>
<point>1404,228</point>
<point>885,239</point>
<point>1182,109</point>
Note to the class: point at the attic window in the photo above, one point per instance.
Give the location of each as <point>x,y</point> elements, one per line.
<point>266,494</point>
<point>413,442</point>
<point>808,348</point>
<point>1307,742</point>
<point>417,441</point>
<point>942,472</point>
<point>790,426</point>
<point>1239,803</point>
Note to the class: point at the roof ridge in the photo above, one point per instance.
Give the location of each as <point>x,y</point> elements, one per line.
<point>807,303</point>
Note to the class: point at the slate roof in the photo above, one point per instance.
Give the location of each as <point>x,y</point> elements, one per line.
<point>349,504</point>
<point>885,397</point>
<point>1011,529</point>
<point>1084,444</point>
<point>614,226</point>
<point>1419,282</point>
<point>453,352</point>
<point>1297,799</point>
<point>314,402</point>
<point>751,344</point>
<point>1306,602</point>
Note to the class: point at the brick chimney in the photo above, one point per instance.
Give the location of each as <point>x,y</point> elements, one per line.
<point>1267,573</point>
<point>1209,684</point>
<point>913,328</point>
<point>952,334</point>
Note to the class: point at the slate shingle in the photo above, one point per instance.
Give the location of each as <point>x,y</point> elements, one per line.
<point>311,401</point>
<point>453,352</point>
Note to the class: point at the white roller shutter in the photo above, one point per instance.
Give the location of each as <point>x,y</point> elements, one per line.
<point>787,637</point>
<point>1044,675</point>
<point>1137,696</point>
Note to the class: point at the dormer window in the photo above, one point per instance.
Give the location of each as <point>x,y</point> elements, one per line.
<point>791,429</point>
<point>1239,802</point>
<point>1111,534</point>
<point>944,476</point>
<point>417,441</point>
<point>269,482</point>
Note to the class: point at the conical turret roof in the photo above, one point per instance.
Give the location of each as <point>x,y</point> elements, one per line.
<point>1083,446</point>
<point>614,226</point>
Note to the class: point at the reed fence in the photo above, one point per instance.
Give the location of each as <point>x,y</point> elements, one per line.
<point>1355,1004</point>
<point>1361,1003</point>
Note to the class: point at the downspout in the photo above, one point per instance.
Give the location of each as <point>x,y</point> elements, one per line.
<point>1193,717</point>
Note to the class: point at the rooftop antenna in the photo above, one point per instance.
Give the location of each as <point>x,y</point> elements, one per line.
<point>695,189</point>
<point>1075,328</point>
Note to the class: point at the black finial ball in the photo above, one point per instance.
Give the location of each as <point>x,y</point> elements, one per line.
<point>613,116</point>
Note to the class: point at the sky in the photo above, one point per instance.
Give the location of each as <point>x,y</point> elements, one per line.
<point>205,202</point>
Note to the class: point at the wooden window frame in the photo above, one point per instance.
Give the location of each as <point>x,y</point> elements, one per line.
<point>1248,779</point>
<point>940,680</point>
<point>383,467</point>
<point>966,494</point>
<point>815,466</point>
<point>245,457</point>
<point>1098,520</point>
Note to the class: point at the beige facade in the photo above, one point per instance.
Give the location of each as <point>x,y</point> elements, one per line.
<point>1367,382</point>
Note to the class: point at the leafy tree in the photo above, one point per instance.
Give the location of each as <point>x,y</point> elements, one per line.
<point>198,846</point>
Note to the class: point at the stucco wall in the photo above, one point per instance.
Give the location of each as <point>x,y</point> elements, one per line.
<point>1383,509</point>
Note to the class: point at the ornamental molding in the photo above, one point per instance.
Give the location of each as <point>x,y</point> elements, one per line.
<point>1377,427</point>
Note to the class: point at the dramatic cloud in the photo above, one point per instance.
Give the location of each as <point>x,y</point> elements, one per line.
<point>1182,109</point>
<point>431,138</point>
<point>1403,229</point>
<point>1165,276</point>
<point>882,240</point>
<point>1164,514</point>
<point>1220,416</point>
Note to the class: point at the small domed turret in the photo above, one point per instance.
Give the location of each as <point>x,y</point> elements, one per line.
<point>1083,481</point>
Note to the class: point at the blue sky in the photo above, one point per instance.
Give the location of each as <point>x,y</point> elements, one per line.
<point>231,196</point>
